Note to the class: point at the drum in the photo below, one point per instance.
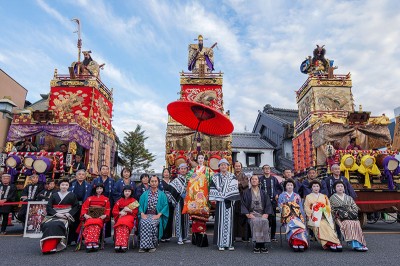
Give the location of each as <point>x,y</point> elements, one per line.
<point>213,162</point>
<point>368,161</point>
<point>13,161</point>
<point>42,164</point>
<point>387,160</point>
<point>349,160</point>
<point>180,159</point>
<point>28,161</point>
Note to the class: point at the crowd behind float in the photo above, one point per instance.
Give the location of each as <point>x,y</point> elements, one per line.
<point>244,207</point>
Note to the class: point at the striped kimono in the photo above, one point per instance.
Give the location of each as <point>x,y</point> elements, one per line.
<point>224,190</point>
<point>350,229</point>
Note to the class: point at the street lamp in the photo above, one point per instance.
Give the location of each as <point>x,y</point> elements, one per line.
<point>6,106</point>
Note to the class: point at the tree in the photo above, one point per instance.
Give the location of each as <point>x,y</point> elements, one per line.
<point>133,152</point>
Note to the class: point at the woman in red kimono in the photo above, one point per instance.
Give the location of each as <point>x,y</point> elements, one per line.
<point>125,213</point>
<point>93,225</point>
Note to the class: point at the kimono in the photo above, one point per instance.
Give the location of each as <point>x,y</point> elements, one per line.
<point>54,228</point>
<point>151,230</point>
<point>7,193</point>
<point>240,226</point>
<point>45,194</point>
<point>177,188</point>
<point>92,226</point>
<point>273,188</point>
<point>350,229</point>
<point>31,192</point>
<point>165,187</point>
<point>292,215</point>
<point>224,190</point>
<point>124,224</point>
<point>318,211</point>
<point>108,192</point>
<point>140,190</point>
<point>257,204</point>
<point>119,186</point>
<point>196,203</point>
<point>82,192</point>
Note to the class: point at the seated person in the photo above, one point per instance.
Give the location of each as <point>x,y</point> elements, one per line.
<point>7,194</point>
<point>29,193</point>
<point>61,208</point>
<point>48,191</point>
<point>256,206</point>
<point>125,213</point>
<point>319,218</point>
<point>292,215</point>
<point>345,212</point>
<point>99,204</point>
<point>154,212</point>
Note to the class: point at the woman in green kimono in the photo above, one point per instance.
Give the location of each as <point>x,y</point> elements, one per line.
<point>153,213</point>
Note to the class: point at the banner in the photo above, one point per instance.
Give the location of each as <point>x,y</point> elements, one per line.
<point>83,101</point>
<point>207,94</point>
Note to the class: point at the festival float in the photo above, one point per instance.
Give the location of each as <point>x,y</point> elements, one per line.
<point>78,115</point>
<point>330,131</point>
<point>196,121</point>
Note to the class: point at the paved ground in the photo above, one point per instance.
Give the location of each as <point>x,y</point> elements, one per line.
<point>383,242</point>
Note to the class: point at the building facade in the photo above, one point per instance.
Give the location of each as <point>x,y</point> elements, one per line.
<point>10,88</point>
<point>252,151</point>
<point>276,126</point>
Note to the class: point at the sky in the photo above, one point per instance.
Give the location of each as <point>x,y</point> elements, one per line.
<point>261,44</point>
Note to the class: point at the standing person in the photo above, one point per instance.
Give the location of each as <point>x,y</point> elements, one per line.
<point>82,190</point>
<point>109,184</point>
<point>165,187</point>
<point>125,180</point>
<point>331,180</point>
<point>305,188</point>
<point>292,215</point>
<point>196,201</point>
<point>78,164</point>
<point>7,194</point>
<point>345,212</point>
<point>178,192</point>
<point>97,205</point>
<point>29,193</point>
<point>318,211</point>
<point>256,206</point>
<point>48,191</point>
<point>240,226</point>
<point>61,209</point>
<point>224,190</point>
<point>288,173</point>
<point>144,185</point>
<point>154,214</point>
<point>125,213</point>
<point>270,185</point>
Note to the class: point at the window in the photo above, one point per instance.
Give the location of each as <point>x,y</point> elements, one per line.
<point>234,156</point>
<point>262,130</point>
<point>253,159</point>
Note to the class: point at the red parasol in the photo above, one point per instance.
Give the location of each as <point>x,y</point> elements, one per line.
<point>200,117</point>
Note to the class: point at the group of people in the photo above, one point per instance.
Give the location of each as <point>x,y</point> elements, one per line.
<point>245,206</point>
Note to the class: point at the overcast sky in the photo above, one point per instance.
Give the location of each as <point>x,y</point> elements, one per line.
<point>260,47</point>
